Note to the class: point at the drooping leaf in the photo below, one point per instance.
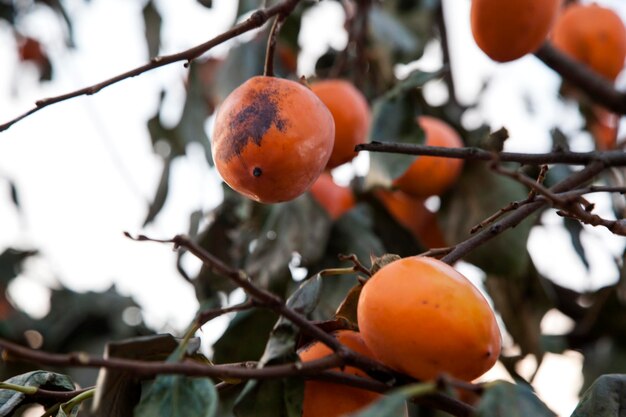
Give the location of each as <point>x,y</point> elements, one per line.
<point>14,194</point>
<point>281,346</point>
<point>11,261</point>
<point>11,400</point>
<point>117,391</point>
<point>179,396</point>
<point>281,397</point>
<point>271,398</point>
<point>298,226</point>
<point>605,398</point>
<point>254,327</point>
<point>522,304</point>
<point>504,399</point>
<point>466,205</point>
<point>575,230</point>
<point>394,119</point>
<point>152,22</point>
<point>162,190</point>
<point>394,403</point>
<point>227,237</point>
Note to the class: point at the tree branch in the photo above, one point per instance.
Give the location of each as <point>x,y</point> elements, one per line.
<point>610,158</point>
<point>270,300</point>
<point>13,351</point>
<point>518,215</point>
<point>256,20</point>
<point>595,86</point>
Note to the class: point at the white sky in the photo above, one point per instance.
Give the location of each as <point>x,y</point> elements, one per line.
<point>85,168</point>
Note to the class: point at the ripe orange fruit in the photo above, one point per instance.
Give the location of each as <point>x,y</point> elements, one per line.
<point>351,114</point>
<point>429,175</point>
<point>593,35</point>
<point>272,139</point>
<point>334,198</point>
<point>421,317</point>
<point>411,213</point>
<point>506,30</point>
<point>603,126</point>
<point>325,399</point>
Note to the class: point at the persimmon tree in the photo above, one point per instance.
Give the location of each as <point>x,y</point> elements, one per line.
<point>484,218</point>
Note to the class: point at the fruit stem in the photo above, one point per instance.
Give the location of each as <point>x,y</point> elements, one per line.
<point>268,71</point>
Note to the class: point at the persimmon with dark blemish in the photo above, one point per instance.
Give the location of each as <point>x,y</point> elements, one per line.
<point>272,139</point>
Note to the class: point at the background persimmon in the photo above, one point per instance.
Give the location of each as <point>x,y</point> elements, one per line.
<point>508,30</point>
<point>351,114</point>
<point>324,399</point>
<point>334,198</point>
<point>272,139</point>
<point>429,175</point>
<point>412,214</point>
<point>420,316</point>
<point>593,35</point>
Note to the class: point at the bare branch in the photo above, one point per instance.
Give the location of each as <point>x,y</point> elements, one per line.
<point>518,215</point>
<point>595,86</point>
<point>256,20</point>
<point>610,158</point>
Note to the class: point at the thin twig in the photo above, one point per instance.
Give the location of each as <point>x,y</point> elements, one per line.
<point>270,300</point>
<point>256,20</point>
<point>518,215</point>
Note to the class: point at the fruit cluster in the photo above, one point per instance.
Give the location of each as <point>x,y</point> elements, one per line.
<point>275,139</point>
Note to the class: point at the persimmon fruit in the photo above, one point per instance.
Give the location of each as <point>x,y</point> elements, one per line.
<point>334,198</point>
<point>412,214</point>
<point>272,138</point>
<point>506,30</point>
<point>421,317</point>
<point>325,399</point>
<point>430,175</point>
<point>351,114</point>
<point>593,35</point>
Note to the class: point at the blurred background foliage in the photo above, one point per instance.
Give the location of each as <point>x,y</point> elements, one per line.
<point>278,245</point>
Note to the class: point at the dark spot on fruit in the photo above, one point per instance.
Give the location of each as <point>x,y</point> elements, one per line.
<point>436,305</point>
<point>252,122</point>
<point>257,171</point>
<point>424,302</point>
<point>488,354</point>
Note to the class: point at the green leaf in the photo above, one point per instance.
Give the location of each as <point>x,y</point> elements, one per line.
<point>11,261</point>
<point>14,195</point>
<point>117,392</point>
<point>281,346</point>
<point>467,205</point>
<point>605,398</point>
<point>575,230</point>
<point>389,31</point>
<point>152,22</point>
<point>298,226</point>
<point>394,404</point>
<point>179,396</point>
<point>271,398</point>
<point>11,400</point>
<point>504,399</point>
<point>394,119</point>
<point>161,193</point>
<point>254,327</point>
<point>281,397</point>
